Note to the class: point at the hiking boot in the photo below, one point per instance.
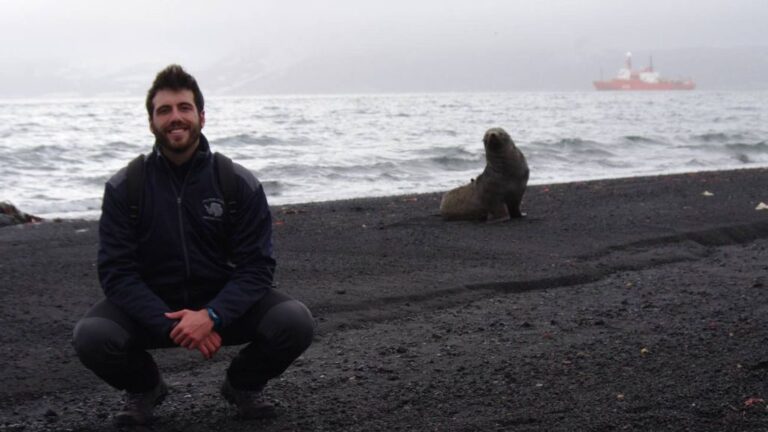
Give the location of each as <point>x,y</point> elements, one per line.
<point>251,404</point>
<point>139,406</point>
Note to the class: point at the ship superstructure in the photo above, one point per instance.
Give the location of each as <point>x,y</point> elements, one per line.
<point>646,79</point>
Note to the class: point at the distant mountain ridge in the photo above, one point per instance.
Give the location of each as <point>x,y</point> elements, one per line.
<point>413,70</point>
<point>495,70</point>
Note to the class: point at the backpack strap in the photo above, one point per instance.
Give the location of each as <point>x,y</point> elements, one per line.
<point>226,177</point>
<point>135,182</point>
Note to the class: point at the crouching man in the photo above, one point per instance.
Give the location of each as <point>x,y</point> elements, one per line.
<point>183,264</point>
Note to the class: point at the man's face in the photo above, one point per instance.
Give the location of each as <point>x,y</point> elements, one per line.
<point>176,123</point>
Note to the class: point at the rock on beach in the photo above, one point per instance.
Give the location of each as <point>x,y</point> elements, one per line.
<point>10,215</point>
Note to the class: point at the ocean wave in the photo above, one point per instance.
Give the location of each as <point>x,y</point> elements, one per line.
<point>748,153</point>
<point>695,163</point>
<point>758,147</point>
<point>454,105</point>
<point>47,150</point>
<point>454,158</point>
<point>741,157</point>
<point>718,137</point>
<point>110,152</point>
<point>455,163</point>
<point>547,156</point>
<point>573,146</point>
<point>642,139</point>
<point>26,125</point>
<point>453,151</point>
<point>94,180</point>
<point>51,207</point>
<point>727,119</point>
<point>121,145</point>
<point>744,108</point>
<point>273,187</point>
<point>240,139</point>
<point>306,171</point>
<point>305,176</point>
<point>438,132</point>
<point>614,163</point>
<point>574,143</point>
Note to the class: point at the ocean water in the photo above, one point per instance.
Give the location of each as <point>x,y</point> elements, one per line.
<point>56,155</point>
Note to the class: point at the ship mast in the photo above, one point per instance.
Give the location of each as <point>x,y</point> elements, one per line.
<point>629,61</point>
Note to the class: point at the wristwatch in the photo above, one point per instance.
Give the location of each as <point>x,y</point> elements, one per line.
<point>215,318</point>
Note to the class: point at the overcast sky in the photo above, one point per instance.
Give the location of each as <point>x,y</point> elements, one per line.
<point>111,35</point>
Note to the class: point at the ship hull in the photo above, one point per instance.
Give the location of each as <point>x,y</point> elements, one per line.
<point>636,84</point>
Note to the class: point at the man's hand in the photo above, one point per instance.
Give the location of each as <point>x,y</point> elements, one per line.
<point>210,345</point>
<point>194,328</point>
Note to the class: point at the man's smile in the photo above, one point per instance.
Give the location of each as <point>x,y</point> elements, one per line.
<point>177,131</point>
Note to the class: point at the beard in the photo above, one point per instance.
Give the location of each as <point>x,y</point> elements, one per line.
<point>178,147</point>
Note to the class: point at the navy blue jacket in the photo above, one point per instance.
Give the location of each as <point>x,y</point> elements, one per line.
<point>184,252</point>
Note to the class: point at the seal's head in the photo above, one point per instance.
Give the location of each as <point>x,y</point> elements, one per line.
<point>497,139</point>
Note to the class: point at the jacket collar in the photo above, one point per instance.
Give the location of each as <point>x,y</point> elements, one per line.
<point>202,153</point>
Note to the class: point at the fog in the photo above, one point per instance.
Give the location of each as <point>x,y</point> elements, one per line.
<point>81,47</point>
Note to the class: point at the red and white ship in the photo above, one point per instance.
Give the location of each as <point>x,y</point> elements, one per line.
<point>646,79</point>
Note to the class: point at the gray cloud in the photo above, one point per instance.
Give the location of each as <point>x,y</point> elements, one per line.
<point>77,46</point>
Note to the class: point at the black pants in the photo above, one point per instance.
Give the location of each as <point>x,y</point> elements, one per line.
<point>277,330</point>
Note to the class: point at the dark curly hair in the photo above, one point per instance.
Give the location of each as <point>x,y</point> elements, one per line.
<point>175,78</point>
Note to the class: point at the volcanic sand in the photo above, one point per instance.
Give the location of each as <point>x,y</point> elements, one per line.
<point>629,304</point>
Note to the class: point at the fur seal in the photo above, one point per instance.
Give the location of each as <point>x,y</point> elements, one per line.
<point>496,194</point>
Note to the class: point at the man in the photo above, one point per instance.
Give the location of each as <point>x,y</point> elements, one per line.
<point>181,271</point>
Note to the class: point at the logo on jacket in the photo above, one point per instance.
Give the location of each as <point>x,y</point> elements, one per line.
<point>214,209</point>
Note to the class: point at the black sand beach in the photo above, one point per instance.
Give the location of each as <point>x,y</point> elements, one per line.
<point>632,304</point>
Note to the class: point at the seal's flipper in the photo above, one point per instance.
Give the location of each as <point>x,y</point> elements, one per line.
<point>514,211</point>
<point>513,201</point>
<point>498,213</point>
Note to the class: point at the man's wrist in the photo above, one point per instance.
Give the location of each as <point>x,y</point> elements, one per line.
<point>215,318</point>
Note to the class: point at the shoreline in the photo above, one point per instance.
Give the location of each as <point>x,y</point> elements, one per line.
<point>638,303</point>
<point>412,194</point>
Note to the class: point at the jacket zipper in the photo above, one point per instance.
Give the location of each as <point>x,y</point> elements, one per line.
<point>181,231</point>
